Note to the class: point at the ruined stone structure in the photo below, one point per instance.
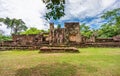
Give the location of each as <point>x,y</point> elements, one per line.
<point>32,39</point>
<point>61,36</point>
<point>57,37</point>
<point>73,31</point>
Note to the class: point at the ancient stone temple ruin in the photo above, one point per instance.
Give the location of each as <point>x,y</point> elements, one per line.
<point>58,39</point>
<point>70,34</point>
<point>64,36</point>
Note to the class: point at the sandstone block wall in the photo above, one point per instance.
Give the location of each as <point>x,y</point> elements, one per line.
<point>73,29</point>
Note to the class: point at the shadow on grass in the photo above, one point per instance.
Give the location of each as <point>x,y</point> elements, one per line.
<point>55,69</point>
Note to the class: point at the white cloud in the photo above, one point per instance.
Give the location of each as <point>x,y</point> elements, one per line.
<point>85,8</point>
<point>106,3</point>
<point>4,29</point>
<point>32,11</point>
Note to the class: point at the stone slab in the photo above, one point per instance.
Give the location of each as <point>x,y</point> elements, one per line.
<point>58,49</point>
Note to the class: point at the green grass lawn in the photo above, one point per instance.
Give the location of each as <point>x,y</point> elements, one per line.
<point>89,62</point>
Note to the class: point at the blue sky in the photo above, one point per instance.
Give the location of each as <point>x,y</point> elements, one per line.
<point>32,12</point>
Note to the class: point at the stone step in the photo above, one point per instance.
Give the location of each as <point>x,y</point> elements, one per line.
<point>58,49</point>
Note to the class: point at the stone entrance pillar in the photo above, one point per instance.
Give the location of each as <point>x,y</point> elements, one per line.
<point>51,34</point>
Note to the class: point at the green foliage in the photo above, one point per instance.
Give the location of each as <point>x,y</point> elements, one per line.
<point>55,9</point>
<point>19,26</point>
<point>7,21</point>
<point>58,26</point>
<point>16,25</point>
<point>107,31</point>
<point>113,17</point>
<point>85,30</point>
<point>1,19</point>
<point>33,30</point>
<point>112,27</point>
<point>5,38</point>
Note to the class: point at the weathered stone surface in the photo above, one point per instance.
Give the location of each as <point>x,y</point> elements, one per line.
<point>32,39</point>
<point>58,49</point>
<point>70,33</point>
<point>103,40</point>
<point>73,31</point>
<point>116,38</point>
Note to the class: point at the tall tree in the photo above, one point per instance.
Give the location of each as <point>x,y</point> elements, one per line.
<point>16,25</point>
<point>55,9</point>
<point>113,18</point>
<point>7,21</point>
<point>19,26</point>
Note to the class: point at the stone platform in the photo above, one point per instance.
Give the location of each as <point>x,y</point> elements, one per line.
<point>58,49</point>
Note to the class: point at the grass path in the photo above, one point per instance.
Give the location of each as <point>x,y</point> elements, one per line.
<point>89,62</point>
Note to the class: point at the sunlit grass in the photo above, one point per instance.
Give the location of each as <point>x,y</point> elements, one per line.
<point>89,62</point>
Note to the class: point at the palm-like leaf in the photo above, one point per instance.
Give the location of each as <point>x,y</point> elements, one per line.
<point>17,25</point>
